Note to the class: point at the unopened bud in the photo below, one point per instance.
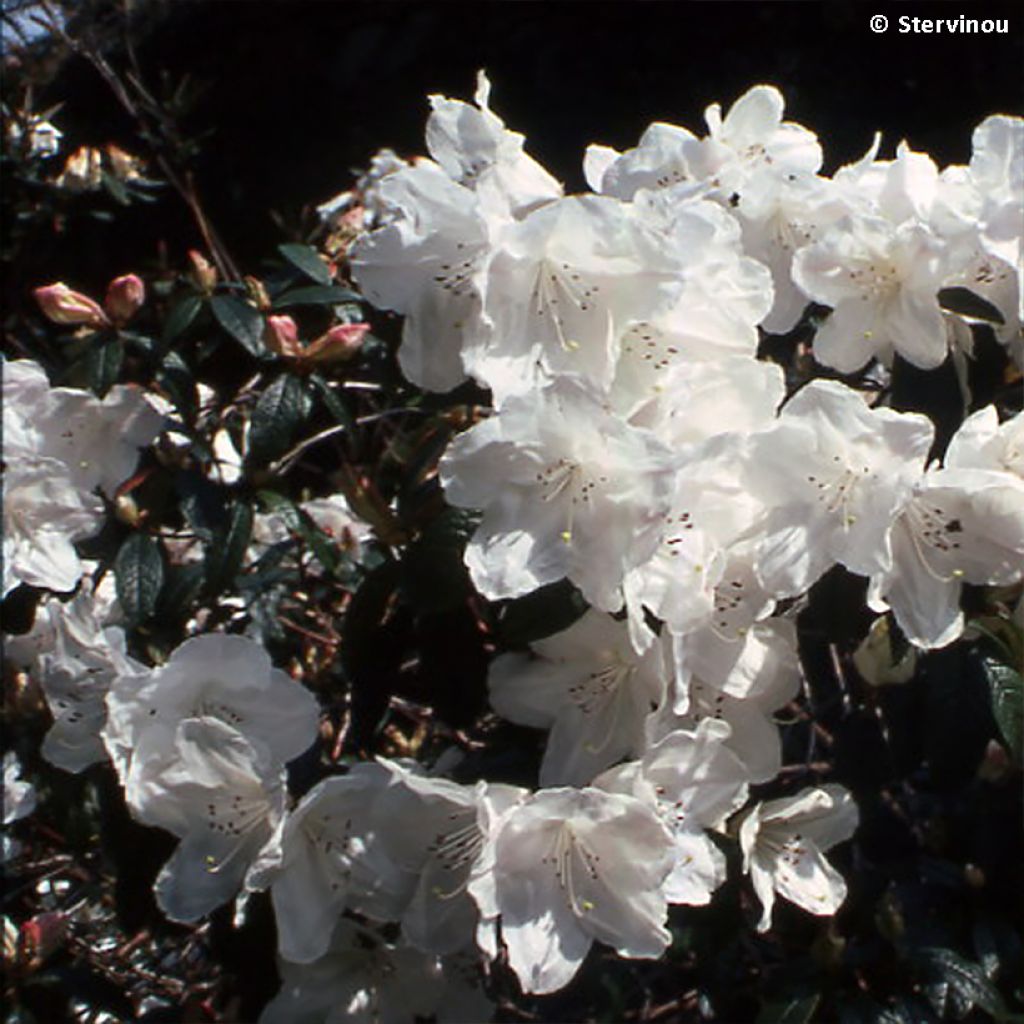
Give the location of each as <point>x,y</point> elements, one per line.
<point>203,273</point>
<point>125,296</point>
<point>281,335</point>
<point>64,306</point>
<point>258,293</point>
<point>338,344</point>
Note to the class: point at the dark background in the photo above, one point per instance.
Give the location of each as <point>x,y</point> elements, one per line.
<point>293,95</point>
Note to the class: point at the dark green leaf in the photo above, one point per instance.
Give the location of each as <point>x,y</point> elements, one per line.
<point>180,591</point>
<point>176,379</point>
<point>305,258</point>
<point>334,403</point>
<point>791,1010</point>
<point>243,322</point>
<point>318,295</point>
<point>949,978</point>
<point>1007,689</point>
<point>180,318</point>
<point>103,362</point>
<point>139,576</point>
<point>225,553</point>
<point>434,576</point>
<point>968,303</point>
<point>116,188</point>
<point>278,414</point>
<point>548,610</point>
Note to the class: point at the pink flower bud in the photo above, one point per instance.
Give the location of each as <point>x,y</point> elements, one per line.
<point>63,306</point>
<point>282,336</point>
<point>125,296</point>
<point>203,273</point>
<point>338,344</point>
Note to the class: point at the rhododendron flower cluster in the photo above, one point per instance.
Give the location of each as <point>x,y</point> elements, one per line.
<point>636,445</point>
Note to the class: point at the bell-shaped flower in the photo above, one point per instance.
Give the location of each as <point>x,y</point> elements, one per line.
<point>44,514</point>
<point>982,442</point>
<point>435,831</point>
<point>476,150</point>
<point>959,526</point>
<point>754,131</point>
<point>566,488</point>
<point>572,866</point>
<point>694,781</point>
<point>666,156</point>
<point>99,439</point>
<point>229,678</point>
<point>590,688</point>
<point>833,473</point>
<point>224,797</point>
<point>360,979</point>
<point>882,282</point>
<point>562,286</point>
<point>75,651</point>
<point>427,263</point>
<point>784,843</point>
<point>330,860</point>
<point>754,736</point>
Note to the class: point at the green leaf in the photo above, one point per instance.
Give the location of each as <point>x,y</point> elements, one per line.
<point>434,576</point>
<point>225,553</point>
<point>180,318</point>
<point>950,978</point>
<point>181,589</point>
<point>317,295</point>
<point>305,258</point>
<point>176,379</point>
<point>548,610</point>
<point>103,363</point>
<point>790,1010</point>
<point>968,303</point>
<point>278,414</point>
<point>243,322</point>
<point>138,576</point>
<point>333,402</point>
<point>1007,689</point>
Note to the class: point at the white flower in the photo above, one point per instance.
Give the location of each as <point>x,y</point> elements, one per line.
<point>224,797</point>
<point>75,652</point>
<point>882,282</point>
<point>833,474</point>
<point>590,688</point>
<point>571,866</point>
<point>475,149</point>
<point>561,287</point>
<point>754,130</point>
<point>694,781</point>
<point>784,842</point>
<point>426,263</point>
<point>99,440</point>
<point>361,979</point>
<point>436,832</point>
<point>567,489</point>
<point>19,796</point>
<point>329,862</point>
<point>960,526</point>
<point>225,677</point>
<point>982,442</point>
<point>44,514</point>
